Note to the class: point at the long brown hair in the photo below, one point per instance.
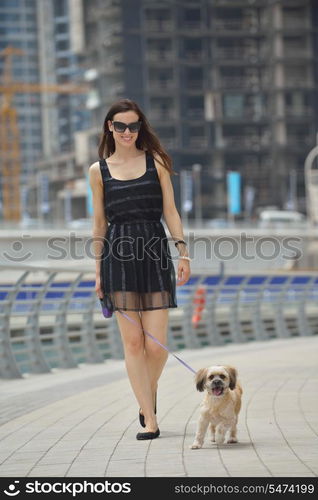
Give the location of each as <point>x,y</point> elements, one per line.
<point>146,140</point>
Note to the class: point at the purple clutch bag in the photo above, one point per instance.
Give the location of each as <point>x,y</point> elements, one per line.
<point>106,310</point>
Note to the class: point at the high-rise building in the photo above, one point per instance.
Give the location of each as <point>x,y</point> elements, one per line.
<point>50,34</point>
<point>18,28</point>
<point>227,84</point>
<point>60,31</point>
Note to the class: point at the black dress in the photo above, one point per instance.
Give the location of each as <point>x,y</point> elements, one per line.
<point>137,272</point>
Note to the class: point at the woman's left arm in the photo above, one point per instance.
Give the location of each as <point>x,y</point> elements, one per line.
<point>173,221</point>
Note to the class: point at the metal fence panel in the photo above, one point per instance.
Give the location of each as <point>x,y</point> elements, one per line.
<point>52,318</point>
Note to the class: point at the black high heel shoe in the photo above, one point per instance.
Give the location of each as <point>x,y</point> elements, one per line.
<point>148,435</point>
<point>142,417</point>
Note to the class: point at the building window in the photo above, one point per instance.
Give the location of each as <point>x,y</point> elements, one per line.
<point>10,3</point>
<point>158,49</point>
<point>233,106</point>
<point>158,19</point>
<point>63,45</point>
<point>60,8</point>
<point>195,106</point>
<point>196,136</point>
<point>192,17</point>
<point>194,78</point>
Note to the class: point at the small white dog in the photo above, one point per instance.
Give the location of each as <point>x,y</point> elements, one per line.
<point>220,406</point>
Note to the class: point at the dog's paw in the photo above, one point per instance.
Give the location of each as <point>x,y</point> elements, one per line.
<point>219,439</point>
<point>195,446</point>
<point>231,441</point>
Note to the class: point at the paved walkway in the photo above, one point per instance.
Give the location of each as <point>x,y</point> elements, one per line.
<point>83,422</point>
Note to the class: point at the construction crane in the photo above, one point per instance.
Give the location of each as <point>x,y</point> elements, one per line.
<point>10,151</point>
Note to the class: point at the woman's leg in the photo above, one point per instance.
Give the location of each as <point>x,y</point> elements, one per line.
<point>156,323</point>
<point>137,369</point>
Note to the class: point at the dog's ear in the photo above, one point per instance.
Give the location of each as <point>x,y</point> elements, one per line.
<point>200,379</point>
<point>233,376</point>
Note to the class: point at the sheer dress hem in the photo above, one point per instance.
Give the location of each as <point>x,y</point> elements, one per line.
<point>137,310</point>
<point>137,301</point>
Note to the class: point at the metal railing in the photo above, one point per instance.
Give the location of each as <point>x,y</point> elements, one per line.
<point>51,318</point>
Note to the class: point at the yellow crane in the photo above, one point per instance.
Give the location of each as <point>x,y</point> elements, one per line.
<point>10,151</point>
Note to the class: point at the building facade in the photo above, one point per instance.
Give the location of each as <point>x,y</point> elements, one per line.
<point>18,28</point>
<point>230,85</point>
<point>50,34</point>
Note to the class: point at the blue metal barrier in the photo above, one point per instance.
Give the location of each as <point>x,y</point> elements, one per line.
<point>52,319</point>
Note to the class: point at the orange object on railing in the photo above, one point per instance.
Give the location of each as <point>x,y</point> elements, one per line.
<point>198,305</point>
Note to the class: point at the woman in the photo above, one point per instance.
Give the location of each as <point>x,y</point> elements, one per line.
<point>134,271</point>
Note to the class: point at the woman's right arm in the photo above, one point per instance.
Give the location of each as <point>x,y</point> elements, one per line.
<point>99,220</point>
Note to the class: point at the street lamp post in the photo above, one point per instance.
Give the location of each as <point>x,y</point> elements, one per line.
<point>196,169</point>
<point>311,185</point>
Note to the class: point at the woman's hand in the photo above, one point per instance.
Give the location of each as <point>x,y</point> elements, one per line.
<point>98,288</point>
<point>183,271</point>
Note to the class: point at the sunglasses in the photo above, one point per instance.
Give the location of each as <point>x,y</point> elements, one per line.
<point>121,127</point>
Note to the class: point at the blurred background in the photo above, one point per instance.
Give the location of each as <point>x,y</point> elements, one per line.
<point>229,86</point>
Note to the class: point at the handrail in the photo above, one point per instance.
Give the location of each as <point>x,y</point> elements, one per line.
<point>51,318</point>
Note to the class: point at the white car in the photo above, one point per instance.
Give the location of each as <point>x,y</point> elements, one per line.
<point>281,218</point>
<point>79,223</point>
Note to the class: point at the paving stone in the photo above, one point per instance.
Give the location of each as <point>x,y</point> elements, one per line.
<point>83,422</point>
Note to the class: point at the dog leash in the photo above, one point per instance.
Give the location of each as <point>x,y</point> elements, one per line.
<point>159,343</point>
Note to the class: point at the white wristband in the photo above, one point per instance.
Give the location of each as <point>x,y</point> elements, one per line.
<point>184,257</point>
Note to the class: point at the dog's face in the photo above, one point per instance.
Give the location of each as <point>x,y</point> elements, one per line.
<point>216,380</point>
